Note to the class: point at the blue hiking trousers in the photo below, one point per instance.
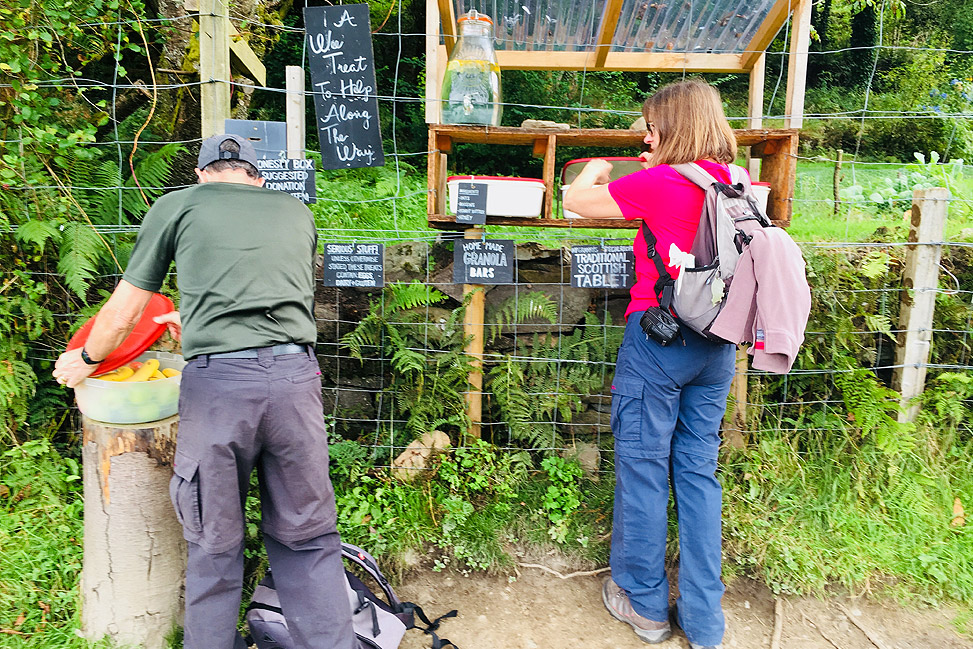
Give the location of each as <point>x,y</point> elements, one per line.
<point>667,404</point>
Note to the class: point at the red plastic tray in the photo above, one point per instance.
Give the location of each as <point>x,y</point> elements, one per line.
<point>143,335</point>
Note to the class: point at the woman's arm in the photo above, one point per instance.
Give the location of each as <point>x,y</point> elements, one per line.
<point>588,201</point>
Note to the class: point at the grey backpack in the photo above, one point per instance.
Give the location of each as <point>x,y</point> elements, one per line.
<point>730,214</point>
<point>379,623</point>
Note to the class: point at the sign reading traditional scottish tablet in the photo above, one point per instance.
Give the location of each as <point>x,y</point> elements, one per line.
<point>602,267</point>
<point>291,176</point>
<point>339,48</point>
<point>354,264</point>
<point>471,201</point>
<point>478,261</point>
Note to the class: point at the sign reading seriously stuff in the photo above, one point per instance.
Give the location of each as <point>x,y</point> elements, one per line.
<point>292,176</point>
<point>602,267</point>
<point>339,47</point>
<point>478,261</point>
<point>354,264</point>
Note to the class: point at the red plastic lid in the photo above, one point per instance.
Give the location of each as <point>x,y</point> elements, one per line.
<point>143,335</point>
<point>473,179</point>
<point>584,161</point>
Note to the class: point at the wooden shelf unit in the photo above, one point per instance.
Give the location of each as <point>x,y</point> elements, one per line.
<point>777,148</point>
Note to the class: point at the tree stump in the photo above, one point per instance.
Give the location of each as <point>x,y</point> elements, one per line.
<point>134,553</point>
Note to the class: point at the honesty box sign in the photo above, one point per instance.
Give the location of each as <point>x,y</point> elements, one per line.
<point>339,47</point>
<point>602,267</point>
<point>292,176</point>
<point>361,265</point>
<point>478,261</point>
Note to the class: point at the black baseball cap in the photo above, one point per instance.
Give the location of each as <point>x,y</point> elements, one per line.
<point>209,150</point>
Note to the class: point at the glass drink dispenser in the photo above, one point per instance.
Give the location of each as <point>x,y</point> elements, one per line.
<point>471,88</point>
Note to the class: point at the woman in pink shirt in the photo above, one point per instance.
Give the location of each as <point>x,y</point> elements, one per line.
<point>667,401</point>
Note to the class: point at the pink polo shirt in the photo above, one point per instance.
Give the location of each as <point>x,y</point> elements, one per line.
<point>670,205</point>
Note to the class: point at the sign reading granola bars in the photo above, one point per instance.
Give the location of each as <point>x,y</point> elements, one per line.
<point>482,261</point>
<point>602,267</point>
<point>339,48</point>
<point>354,264</point>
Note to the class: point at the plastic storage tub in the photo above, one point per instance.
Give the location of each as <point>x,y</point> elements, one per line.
<point>621,166</point>
<point>505,196</point>
<point>761,191</point>
<point>133,403</point>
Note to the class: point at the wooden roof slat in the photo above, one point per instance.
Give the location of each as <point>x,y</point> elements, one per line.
<point>768,29</point>
<point>619,61</point>
<point>606,31</point>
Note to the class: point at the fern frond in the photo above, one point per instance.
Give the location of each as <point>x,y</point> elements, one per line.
<point>519,309</point>
<point>38,233</point>
<point>81,253</point>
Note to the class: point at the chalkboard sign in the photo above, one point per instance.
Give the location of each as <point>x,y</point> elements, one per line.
<point>602,267</point>
<point>471,199</point>
<point>354,264</point>
<point>479,261</point>
<point>291,176</point>
<point>339,47</point>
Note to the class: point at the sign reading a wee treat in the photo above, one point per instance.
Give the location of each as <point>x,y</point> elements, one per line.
<point>339,47</point>
<point>481,261</point>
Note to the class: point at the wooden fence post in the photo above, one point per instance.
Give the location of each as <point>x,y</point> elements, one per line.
<point>917,304</point>
<point>473,326</point>
<point>295,112</point>
<point>134,553</point>
<point>214,66</point>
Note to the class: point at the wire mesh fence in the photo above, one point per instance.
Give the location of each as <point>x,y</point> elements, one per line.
<point>546,368</point>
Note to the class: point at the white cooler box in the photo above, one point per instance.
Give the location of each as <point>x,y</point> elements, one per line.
<point>505,196</point>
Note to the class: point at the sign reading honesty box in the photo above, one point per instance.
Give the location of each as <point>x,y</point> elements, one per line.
<point>291,176</point>
<point>354,264</point>
<point>478,261</point>
<point>602,267</point>
<point>339,42</point>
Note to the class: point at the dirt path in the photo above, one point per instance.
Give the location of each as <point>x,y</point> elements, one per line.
<point>541,611</point>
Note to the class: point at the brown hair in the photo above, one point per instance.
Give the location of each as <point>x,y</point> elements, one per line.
<point>691,125</point>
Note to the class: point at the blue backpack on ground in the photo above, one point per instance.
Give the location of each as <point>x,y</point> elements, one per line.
<point>379,623</point>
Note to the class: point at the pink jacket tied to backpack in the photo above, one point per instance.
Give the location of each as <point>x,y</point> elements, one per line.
<point>773,318</point>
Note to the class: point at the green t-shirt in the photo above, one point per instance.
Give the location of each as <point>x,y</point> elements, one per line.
<point>244,260</point>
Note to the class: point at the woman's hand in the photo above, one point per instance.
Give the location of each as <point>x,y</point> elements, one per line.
<point>588,195</point>
<point>646,159</point>
<point>596,172</point>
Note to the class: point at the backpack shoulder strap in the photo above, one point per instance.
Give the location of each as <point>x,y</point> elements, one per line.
<point>367,562</point>
<point>694,173</point>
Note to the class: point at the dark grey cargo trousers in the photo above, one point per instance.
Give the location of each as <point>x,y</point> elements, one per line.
<point>266,412</point>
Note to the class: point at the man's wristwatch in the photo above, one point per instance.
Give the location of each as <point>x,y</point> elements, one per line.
<point>87,359</point>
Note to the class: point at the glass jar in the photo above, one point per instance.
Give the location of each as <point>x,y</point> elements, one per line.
<point>471,87</point>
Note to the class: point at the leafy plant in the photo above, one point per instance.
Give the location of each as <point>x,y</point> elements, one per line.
<point>547,378</point>
<point>563,495</point>
<point>427,388</point>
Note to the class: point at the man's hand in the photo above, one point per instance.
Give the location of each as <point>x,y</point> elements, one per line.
<point>172,322</point>
<point>70,370</point>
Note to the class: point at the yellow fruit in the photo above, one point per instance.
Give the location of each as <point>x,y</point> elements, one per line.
<point>143,373</point>
<point>120,374</point>
<point>156,375</point>
<point>169,372</point>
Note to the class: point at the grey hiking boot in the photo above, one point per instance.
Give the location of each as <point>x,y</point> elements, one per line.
<point>617,603</point>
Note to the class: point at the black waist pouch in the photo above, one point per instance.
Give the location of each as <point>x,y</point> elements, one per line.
<point>659,325</point>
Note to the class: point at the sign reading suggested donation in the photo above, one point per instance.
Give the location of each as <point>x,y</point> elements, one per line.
<point>471,199</point>
<point>354,264</point>
<point>602,267</point>
<point>339,43</point>
<point>291,176</point>
<point>478,261</point>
